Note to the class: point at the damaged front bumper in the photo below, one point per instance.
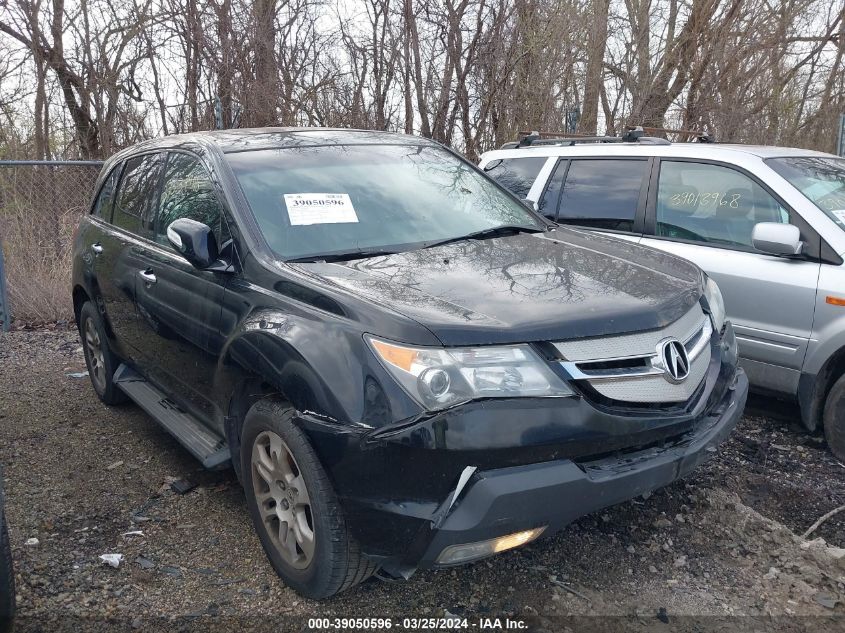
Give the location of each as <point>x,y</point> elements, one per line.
<point>487,504</point>
<point>498,468</point>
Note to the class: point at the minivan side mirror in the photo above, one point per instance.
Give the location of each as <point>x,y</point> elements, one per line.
<point>777,239</point>
<point>194,240</point>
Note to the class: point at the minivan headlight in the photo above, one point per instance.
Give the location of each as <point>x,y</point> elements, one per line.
<point>439,377</point>
<point>715,302</point>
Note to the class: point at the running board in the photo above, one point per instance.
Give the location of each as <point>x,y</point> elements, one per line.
<point>203,443</point>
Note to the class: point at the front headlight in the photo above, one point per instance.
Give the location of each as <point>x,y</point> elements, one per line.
<point>716,303</point>
<point>440,377</point>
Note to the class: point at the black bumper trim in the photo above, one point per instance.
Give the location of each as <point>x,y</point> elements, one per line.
<point>554,494</point>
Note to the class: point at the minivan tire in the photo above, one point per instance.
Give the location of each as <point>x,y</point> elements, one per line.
<point>100,360</point>
<point>334,561</point>
<point>834,419</point>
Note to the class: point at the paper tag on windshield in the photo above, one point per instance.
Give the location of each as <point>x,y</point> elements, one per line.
<point>319,208</point>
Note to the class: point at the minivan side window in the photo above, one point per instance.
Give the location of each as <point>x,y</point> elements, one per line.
<point>516,174</point>
<point>187,192</point>
<point>712,204</point>
<point>135,204</point>
<point>551,196</point>
<point>105,200</point>
<point>602,194</point>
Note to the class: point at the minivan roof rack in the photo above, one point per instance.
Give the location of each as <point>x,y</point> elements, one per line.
<point>634,134</point>
<point>685,136</point>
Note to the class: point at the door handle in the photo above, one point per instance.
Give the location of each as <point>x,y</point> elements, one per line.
<point>97,248</point>
<point>148,276</point>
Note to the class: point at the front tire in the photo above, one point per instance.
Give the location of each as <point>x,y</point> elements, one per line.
<point>294,508</point>
<point>99,358</point>
<point>834,419</point>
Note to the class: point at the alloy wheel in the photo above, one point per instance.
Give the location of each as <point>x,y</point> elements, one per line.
<point>282,499</point>
<point>94,349</point>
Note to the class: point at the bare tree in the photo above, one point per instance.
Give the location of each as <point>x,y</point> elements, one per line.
<point>86,78</point>
<point>593,79</point>
<point>89,77</point>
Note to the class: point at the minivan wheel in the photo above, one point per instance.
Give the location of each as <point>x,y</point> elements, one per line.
<point>834,418</point>
<point>294,507</point>
<point>99,359</point>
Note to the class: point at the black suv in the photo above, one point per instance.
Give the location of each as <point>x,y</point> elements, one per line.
<point>406,366</point>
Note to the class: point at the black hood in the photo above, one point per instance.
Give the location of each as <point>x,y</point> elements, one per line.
<point>525,287</point>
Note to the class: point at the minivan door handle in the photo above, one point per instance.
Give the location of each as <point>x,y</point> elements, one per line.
<point>97,248</point>
<point>148,276</point>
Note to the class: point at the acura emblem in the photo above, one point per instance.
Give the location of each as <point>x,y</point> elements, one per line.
<point>674,359</point>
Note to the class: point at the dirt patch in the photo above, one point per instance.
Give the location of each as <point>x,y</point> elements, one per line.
<point>782,471</point>
<point>80,477</point>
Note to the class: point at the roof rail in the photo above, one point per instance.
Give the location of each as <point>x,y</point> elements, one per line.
<point>633,134</point>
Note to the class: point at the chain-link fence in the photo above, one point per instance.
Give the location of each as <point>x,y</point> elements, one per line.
<point>40,205</point>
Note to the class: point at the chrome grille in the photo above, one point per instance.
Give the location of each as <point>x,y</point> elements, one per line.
<point>629,368</point>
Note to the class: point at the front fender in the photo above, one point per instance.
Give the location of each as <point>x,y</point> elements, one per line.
<point>321,366</point>
<point>826,349</point>
<point>265,348</point>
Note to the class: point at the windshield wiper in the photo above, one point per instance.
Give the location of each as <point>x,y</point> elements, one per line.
<point>340,257</point>
<point>496,231</point>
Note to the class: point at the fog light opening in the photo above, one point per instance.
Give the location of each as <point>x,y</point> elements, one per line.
<point>466,552</point>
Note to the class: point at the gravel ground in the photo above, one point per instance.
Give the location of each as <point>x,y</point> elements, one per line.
<point>720,547</point>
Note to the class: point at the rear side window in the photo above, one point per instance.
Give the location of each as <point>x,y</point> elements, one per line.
<point>187,192</point>
<point>516,174</point>
<point>602,194</point>
<point>105,201</point>
<point>134,208</point>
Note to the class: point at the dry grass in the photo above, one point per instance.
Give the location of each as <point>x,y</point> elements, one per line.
<point>38,268</point>
<point>39,210</point>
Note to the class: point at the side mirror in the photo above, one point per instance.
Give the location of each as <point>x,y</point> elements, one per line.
<point>194,240</point>
<point>777,239</point>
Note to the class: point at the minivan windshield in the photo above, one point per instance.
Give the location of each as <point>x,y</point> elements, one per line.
<point>819,178</point>
<point>315,202</point>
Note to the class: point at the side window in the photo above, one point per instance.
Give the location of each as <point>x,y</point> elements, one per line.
<point>516,174</point>
<point>551,196</point>
<point>135,204</point>
<point>712,204</point>
<point>187,192</point>
<point>103,205</point>
<point>602,194</point>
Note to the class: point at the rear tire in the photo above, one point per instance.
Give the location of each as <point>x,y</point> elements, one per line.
<point>7,572</point>
<point>100,360</point>
<point>834,419</point>
<point>290,497</point>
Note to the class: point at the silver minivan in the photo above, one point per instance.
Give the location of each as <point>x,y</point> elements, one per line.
<point>767,223</point>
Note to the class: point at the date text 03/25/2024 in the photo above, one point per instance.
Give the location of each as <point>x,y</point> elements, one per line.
<point>416,624</point>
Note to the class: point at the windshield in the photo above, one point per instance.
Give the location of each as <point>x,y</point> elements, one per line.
<point>820,179</point>
<point>312,201</point>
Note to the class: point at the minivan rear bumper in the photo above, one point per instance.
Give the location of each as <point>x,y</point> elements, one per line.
<point>553,494</point>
